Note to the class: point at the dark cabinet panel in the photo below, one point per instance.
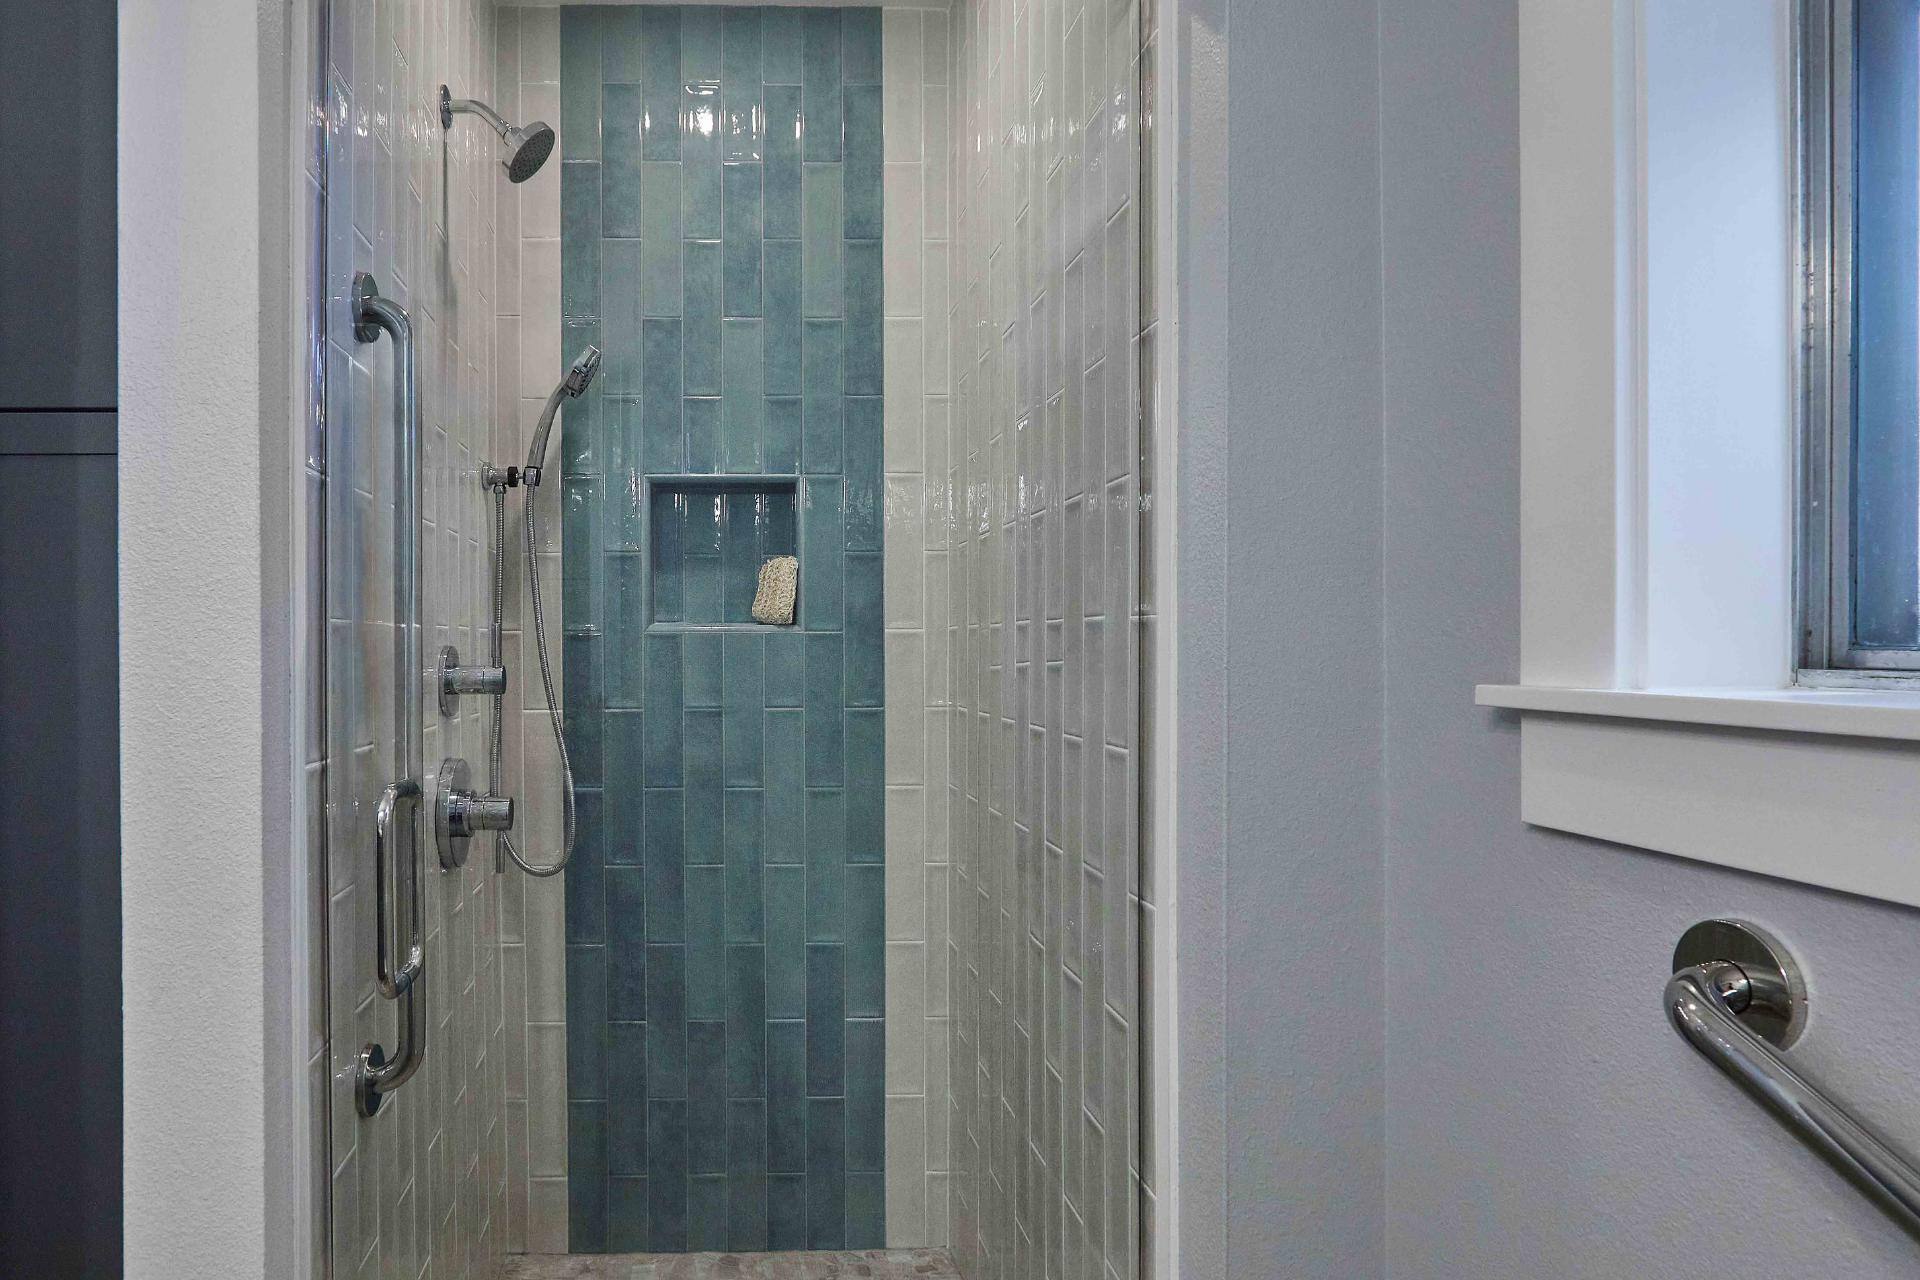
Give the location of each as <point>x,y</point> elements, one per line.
<point>57,255</point>
<point>59,868</point>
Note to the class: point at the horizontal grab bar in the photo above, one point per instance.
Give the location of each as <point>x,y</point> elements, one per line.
<point>1712,1004</point>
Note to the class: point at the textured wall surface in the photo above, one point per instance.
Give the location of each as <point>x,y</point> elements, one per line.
<point>721,216</point>
<point>1530,1133</point>
<point>420,1186</point>
<point>1042,503</point>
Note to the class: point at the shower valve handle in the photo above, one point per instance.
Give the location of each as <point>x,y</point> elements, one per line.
<point>456,680</point>
<point>460,813</point>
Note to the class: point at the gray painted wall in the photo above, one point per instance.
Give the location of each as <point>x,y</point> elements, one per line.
<point>1542,1119</point>
<point>1493,1093</point>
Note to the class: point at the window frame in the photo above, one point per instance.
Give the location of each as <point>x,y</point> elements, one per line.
<point>1823,166</point>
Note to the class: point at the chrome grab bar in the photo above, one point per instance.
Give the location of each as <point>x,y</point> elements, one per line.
<point>377,1075</point>
<point>1736,997</point>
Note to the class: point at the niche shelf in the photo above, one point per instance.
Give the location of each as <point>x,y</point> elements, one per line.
<point>707,536</point>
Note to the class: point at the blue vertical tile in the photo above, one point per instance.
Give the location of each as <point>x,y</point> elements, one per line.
<point>820,71</point>
<point>823,241</point>
<point>702,309</point>
<point>826,1026</point>
<point>865,307</point>
<point>580,239</point>
<point>621,41</point>
<point>666,1023</point>
<point>627,1208</point>
<point>866,785</point>
<point>581,684</point>
<point>660,82</point>
<point>787,1095</point>
<point>787,1212</point>
<point>706,1210</point>
<point>579,83</point>
<point>823,410</point>
<point>746,1022</point>
<point>866,667</point>
<point>707,942</point>
<point>703,418</point>
<point>826,1173</point>
<point>663,445</point>
<point>861,174</point>
<point>866,1095</point>
<point>740,240</point>
<point>620,421</point>
<point>740,553</point>
<point>627,1100</point>
<point>745,866</point>
<point>866,1210</point>
<point>783,433</point>
<point>783,151</point>
<point>783,318</point>
<point>620,109</point>
<point>702,42</point>
<point>662,278</point>
<point>741,47</point>
<point>625,802</point>
<point>744,684</point>
<point>587,1010</point>
<point>786,670</point>
<point>786,912</point>
<point>786,771</point>
<point>704,804</point>
<point>587,1167</point>
<point>621,370</point>
<point>781,42</point>
<point>826,864</point>
<point>662,729</point>
<point>822,553</point>
<point>665,867</point>
<point>866,960</point>
<point>707,1093</point>
<point>627,962</point>
<point>583,591</point>
<point>667,1174</point>
<point>585,888</point>
<point>743,396</point>
<point>703,677</point>
<point>863,447</point>
<point>860,45</point>
<point>700,126</point>
<point>669,527</point>
<point>826,696</point>
<point>746,1190</point>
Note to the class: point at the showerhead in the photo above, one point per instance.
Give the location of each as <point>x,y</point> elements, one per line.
<point>526,146</point>
<point>580,375</point>
<point>527,150</point>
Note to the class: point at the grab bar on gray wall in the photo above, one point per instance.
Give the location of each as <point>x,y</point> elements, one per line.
<point>377,1075</point>
<point>1736,996</point>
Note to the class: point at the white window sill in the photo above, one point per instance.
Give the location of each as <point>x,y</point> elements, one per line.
<point>1820,786</point>
<point>1855,713</point>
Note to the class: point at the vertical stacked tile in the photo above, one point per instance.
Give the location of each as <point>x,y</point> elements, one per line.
<point>1044,588</point>
<point>720,224</point>
<point>421,1187</point>
<point>915,250</point>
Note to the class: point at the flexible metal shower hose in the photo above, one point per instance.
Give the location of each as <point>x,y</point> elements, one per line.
<point>546,678</point>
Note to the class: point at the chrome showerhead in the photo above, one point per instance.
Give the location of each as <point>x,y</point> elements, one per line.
<point>526,146</point>
<point>580,376</point>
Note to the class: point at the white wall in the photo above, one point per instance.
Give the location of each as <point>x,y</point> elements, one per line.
<point>204,679</point>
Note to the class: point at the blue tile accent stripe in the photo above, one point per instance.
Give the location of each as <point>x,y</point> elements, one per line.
<point>721,223</point>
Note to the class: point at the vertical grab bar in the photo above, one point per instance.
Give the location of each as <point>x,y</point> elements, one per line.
<point>377,1075</point>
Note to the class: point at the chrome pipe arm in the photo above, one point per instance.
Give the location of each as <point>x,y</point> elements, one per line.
<point>1707,1001</point>
<point>377,1074</point>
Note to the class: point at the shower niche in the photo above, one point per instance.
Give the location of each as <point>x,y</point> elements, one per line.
<point>709,535</point>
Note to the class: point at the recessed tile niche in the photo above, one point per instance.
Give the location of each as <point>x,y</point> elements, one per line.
<point>710,535</point>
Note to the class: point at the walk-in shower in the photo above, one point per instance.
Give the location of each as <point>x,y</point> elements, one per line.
<point>811,934</point>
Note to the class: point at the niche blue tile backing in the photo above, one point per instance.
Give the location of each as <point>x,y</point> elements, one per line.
<point>722,214</point>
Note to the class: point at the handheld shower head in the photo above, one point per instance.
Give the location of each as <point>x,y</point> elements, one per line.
<point>526,146</point>
<point>571,387</point>
<point>580,375</point>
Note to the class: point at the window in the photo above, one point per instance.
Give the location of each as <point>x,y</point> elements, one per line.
<point>1860,166</point>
